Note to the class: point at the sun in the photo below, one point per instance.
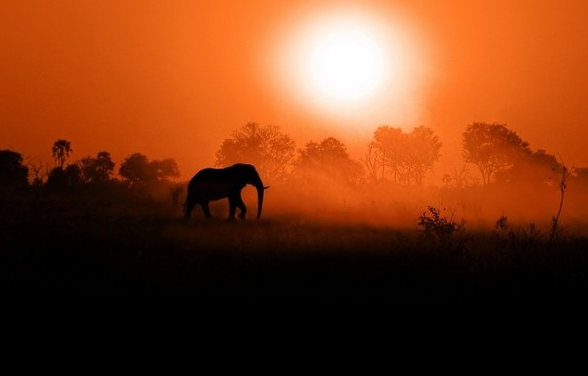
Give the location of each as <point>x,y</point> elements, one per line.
<point>349,68</point>
<point>346,63</point>
<point>343,62</point>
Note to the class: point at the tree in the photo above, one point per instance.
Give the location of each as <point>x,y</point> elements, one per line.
<point>61,151</point>
<point>12,171</point>
<point>39,171</point>
<point>65,178</point>
<point>97,170</point>
<point>138,170</point>
<point>135,169</point>
<point>565,173</point>
<point>165,169</point>
<point>391,146</point>
<point>328,158</point>
<point>266,147</point>
<point>492,148</point>
<point>371,161</point>
<point>422,151</point>
<point>462,177</point>
<point>534,169</point>
<point>404,157</point>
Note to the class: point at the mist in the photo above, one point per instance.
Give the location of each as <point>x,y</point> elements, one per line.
<point>399,207</point>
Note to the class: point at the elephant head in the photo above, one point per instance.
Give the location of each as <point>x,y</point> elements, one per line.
<point>250,176</point>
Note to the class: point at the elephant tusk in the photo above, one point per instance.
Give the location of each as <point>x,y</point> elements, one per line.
<point>266,187</point>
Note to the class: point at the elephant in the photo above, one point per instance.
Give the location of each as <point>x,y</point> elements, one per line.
<point>210,184</point>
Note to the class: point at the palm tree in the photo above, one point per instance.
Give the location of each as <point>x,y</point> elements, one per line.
<point>61,150</point>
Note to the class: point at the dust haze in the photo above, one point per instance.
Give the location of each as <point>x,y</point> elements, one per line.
<point>400,207</point>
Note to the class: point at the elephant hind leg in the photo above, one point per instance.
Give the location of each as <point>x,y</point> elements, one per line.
<point>188,206</point>
<point>206,210</point>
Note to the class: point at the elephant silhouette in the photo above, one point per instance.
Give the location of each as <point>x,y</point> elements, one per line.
<point>210,184</point>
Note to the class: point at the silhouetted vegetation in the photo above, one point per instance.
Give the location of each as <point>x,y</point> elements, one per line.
<point>97,170</point>
<point>64,179</point>
<point>565,173</point>
<point>492,148</point>
<point>442,230</point>
<point>138,171</point>
<point>403,158</point>
<point>332,227</point>
<point>264,146</point>
<point>13,174</point>
<point>61,151</point>
<point>325,160</point>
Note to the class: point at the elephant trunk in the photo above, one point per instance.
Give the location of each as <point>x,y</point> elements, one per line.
<point>260,189</point>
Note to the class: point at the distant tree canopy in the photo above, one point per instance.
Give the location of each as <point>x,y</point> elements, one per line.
<point>138,170</point>
<point>402,157</point>
<point>61,151</point>
<point>64,178</point>
<point>422,152</point>
<point>533,169</point>
<point>97,170</point>
<point>12,171</point>
<point>328,159</point>
<point>264,146</point>
<point>492,148</point>
<point>165,169</point>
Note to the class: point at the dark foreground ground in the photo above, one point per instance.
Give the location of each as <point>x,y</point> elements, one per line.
<point>53,248</point>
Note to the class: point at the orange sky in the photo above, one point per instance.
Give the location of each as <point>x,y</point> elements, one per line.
<point>173,78</point>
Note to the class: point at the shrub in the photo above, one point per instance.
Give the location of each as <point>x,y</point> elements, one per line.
<point>441,230</point>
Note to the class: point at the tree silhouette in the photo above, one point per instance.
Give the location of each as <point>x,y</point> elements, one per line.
<point>138,170</point>
<point>39,171</point>
<point>422,151</point>
<point>372,160</point>
<point>462,177</point>
<point>165,169</point>
<point>266,147</point>
<point>492,147</point>
<point>534,169</point>
<point>65,179</point>
<point>404,157</point>
<point>135,169</point>
<point>97,170</point>
<point>565,174</point>
<point>390,145</point>
<point>12,171</point>
<point>328,159</point>
<point>61,151</point>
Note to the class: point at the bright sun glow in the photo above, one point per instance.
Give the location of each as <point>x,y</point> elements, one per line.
<point>346,64</point>
<point>353,66</point>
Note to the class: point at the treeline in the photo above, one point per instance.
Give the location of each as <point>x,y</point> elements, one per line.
<point>492,154</point>
<point>497,155</point>
<point>136,170</point>
<point>97,177</point>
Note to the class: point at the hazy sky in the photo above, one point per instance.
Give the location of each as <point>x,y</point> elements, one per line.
<point>174,78</point>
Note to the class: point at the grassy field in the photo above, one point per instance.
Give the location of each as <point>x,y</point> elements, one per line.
<point>60,246</point>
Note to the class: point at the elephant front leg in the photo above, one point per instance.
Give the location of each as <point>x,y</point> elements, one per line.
<point>235,202</point>
<point>241,205</point>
